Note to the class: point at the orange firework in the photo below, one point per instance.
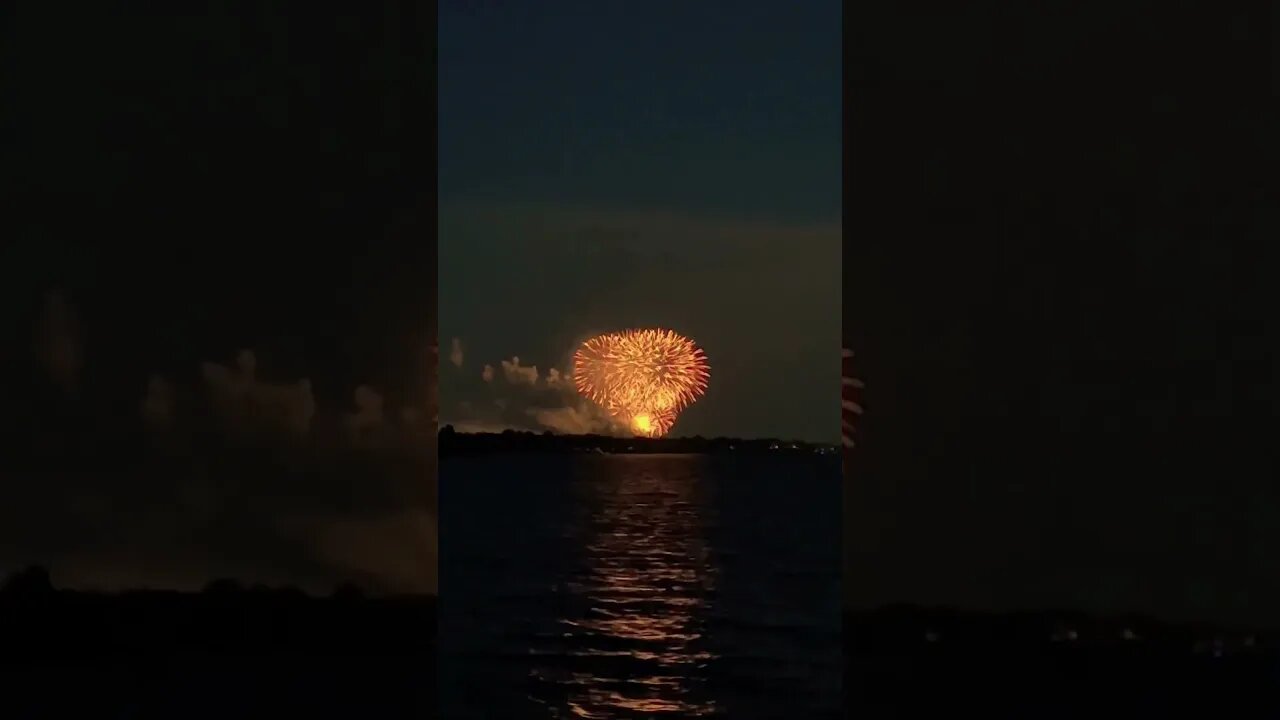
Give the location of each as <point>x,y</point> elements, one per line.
<point>642,377</point>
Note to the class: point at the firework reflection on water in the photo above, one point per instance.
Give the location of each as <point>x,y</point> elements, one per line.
<point>640,586</point>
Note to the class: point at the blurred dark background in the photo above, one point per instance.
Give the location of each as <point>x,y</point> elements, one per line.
<point>1058,267</point>
<point>218,307</point>
<point>217,267</point>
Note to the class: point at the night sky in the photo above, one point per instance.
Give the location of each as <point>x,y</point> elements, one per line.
<point>1059,266</point>
<point>181,187</point>
<point>605,165</point>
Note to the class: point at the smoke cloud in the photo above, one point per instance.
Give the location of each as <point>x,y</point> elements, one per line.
<point>368,424</point>
<point>247,405</point>
<point>521,398</point>
<point>517,374</point>
<point>307,524</point>
<point>573,420</point>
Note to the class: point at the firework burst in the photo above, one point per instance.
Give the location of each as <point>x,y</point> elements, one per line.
<point>642,377</point>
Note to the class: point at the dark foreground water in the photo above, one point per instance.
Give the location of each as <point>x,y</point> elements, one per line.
<point>250,654</point>
<point>639,586</point>
<point>916,662</point>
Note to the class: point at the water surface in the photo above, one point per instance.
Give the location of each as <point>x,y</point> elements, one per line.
<point>619,586</point>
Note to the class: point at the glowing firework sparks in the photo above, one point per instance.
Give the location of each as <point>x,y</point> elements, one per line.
<point>642,377</point>
<point>850,398</point>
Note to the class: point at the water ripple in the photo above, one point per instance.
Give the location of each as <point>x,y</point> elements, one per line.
<point>635,607</point>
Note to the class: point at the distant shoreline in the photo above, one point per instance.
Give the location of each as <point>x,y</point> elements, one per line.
<point>453,443</point>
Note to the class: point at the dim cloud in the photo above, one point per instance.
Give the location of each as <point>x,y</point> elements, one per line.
<point>455,353</point>
<point>526,401</point>
<point>368,424</point>
<point>391,549</point>
<point>517,374</point>
<point>248,405</point>
<point>253,409</point>
<point>115,544</point>
<point>577,419</point>
<point>238,397</point>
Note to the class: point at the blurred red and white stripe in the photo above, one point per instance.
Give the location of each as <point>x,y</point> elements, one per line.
<point>850,398</point>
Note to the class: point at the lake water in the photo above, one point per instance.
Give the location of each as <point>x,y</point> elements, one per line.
<point>638,586</point>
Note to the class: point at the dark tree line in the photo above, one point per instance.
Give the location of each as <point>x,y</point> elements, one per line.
<point>452,442</point>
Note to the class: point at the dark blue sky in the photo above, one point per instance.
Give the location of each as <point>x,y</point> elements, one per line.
<point>606,164</point>
<point>726,106</point>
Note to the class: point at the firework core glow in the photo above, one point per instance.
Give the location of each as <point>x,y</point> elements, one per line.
<point>643,378</point>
